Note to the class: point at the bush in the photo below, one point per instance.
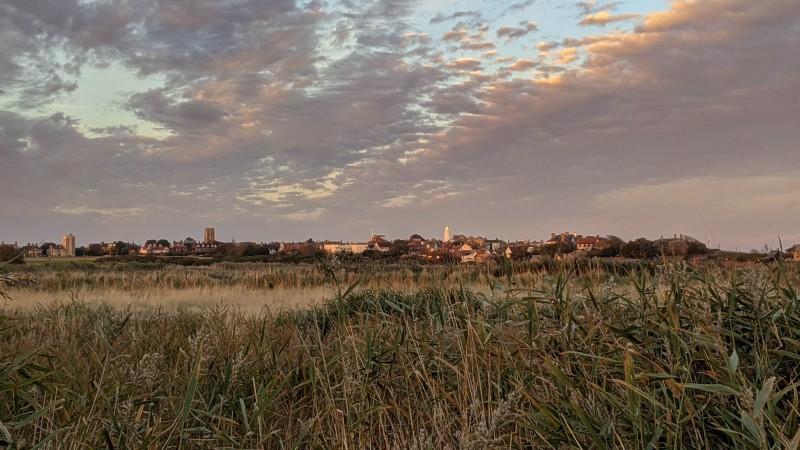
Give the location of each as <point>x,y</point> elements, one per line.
<point>11,254</point>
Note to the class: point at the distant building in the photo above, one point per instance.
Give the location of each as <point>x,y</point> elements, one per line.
<point>33,251</point>
<point>203,248</point>
<point>68,243</point>
<point>57,251</point>
<point>493,245</point>
<point>588,243</point>
<point>152,247</point>
<point>678,245</point>
<point>563,238</point>
<point>795,252</point>
<point>209,236</point>
<point>446,234</point>
<point>179,248</point>
<point>341,247</point>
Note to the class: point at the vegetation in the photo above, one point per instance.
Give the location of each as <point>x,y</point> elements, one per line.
<point>8,255</point>
<point>11,255</point>
<point>559,356</point>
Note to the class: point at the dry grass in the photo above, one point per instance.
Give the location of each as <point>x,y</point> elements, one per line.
<point>169,300</point>
<point>680,358</point>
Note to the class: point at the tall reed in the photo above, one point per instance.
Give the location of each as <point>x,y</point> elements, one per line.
<point>676,357</point>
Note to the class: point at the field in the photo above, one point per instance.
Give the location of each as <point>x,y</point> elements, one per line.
<point>662,355</point>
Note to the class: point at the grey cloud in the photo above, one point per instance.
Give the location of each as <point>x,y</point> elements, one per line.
<point>587,123</point>
<point>594,7</point>
<point>39,91</point>
<point>522,64</point>
<point>158,36</point>
<point>252,85</point>
<point>603,18</point>
<point>118,130</point>
<point>454,103</point>
<point>439,18</point>
<point>464,64</point>
<point>478,45</point>
<point>512,33</point>
<point>520,6</point>
<point>199,112</point>
<point>455,35</point>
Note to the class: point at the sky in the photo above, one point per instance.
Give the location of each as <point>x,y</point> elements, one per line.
<point>280,120</point>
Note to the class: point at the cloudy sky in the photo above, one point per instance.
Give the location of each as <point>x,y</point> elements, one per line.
<point>283,120</point>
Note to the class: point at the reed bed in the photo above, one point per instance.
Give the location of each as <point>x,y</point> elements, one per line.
<point>193,299</point>
<point>131,277</point>
<point>675,357</point>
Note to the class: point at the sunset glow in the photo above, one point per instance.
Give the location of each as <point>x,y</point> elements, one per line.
<point>283,120</point>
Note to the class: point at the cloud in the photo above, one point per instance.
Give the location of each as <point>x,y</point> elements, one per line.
<point>464,64</point>
<point>440,18</point>
<point>644,105</point>
<point>156,106</point>
<point>567,55</point>
<point>522,64</point>
<point>479,46</point>
<point>512,33</point>
<point>604,18</point>
<point>319,120</point>
<point>754,202</point>
<point>88,210</point>
<point>455,35</point>
<point>595,6</point>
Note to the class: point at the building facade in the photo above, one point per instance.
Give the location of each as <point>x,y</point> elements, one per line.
<point>209,235</point>
<point>68,243</point>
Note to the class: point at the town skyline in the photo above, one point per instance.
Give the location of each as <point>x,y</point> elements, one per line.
<point>210,234</point>
<point>298,118</point>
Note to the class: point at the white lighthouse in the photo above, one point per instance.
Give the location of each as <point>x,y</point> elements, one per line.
<point>446,234</point>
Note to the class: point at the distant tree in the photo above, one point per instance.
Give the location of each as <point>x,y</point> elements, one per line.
<point>189,241</point>
<point>94,250</point>
<point>9,253</point>
<point>400,247</point>
<point>641,248</point>
<point>631,249</point>
<point>45,246</point>
<point>80,251</point>
<point>558,249</point>
<point>609,247</point>
<point>163,243</point>
<point>371,254</point>
<point>614,245</point>
<point>120,248</point>
<point>247,249</point>
<point>696,248</point>
<point>312,251</point>
<point>224,249</point>
<point>518,253</point>
<point>536,249</point>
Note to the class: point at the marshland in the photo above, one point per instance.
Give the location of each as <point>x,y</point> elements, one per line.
<point>658,354</point>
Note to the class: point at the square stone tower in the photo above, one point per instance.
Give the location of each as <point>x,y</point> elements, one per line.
<point>68,242</point>
<point>209,236</point>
